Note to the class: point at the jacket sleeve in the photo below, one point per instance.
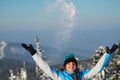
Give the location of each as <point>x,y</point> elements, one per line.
<point>98,67</point>
<point>45,67</point>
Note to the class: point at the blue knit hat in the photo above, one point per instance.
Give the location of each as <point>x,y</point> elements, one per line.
<point>69,58</point>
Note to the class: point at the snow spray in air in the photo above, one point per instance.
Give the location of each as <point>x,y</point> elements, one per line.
<point>68,10</point>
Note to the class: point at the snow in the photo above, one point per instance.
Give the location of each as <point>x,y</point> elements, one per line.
<point>2,47</point>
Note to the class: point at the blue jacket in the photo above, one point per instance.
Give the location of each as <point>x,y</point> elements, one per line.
<point>62,75</point>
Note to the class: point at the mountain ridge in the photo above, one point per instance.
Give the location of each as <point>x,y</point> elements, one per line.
<point>15,51</point>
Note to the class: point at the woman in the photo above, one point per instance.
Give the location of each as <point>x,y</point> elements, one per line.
<point>70,67</point>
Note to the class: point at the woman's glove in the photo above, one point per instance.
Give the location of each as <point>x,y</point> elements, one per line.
<point>110,51</point>
<point>29,48</point>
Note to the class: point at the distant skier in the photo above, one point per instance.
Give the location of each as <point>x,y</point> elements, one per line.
<point>70,67</point>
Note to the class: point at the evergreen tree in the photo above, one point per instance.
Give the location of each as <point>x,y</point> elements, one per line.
<point>114,65</point>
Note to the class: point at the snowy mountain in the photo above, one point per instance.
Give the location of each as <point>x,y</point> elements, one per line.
<point>12,50</point>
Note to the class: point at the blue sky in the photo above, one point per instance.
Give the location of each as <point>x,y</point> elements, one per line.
<point>70,23</point>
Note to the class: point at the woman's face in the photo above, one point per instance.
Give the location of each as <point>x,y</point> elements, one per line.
<point>70,67</point>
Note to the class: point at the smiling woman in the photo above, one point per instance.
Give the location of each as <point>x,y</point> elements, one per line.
<point>70,63</point>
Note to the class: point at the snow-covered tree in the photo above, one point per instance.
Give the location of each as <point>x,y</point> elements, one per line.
<point>22,75</point>
<point>112,70</point>
<point>12,76</point>
<point>114,65</point>
<point>98,54</point>
<point>40,75</point>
